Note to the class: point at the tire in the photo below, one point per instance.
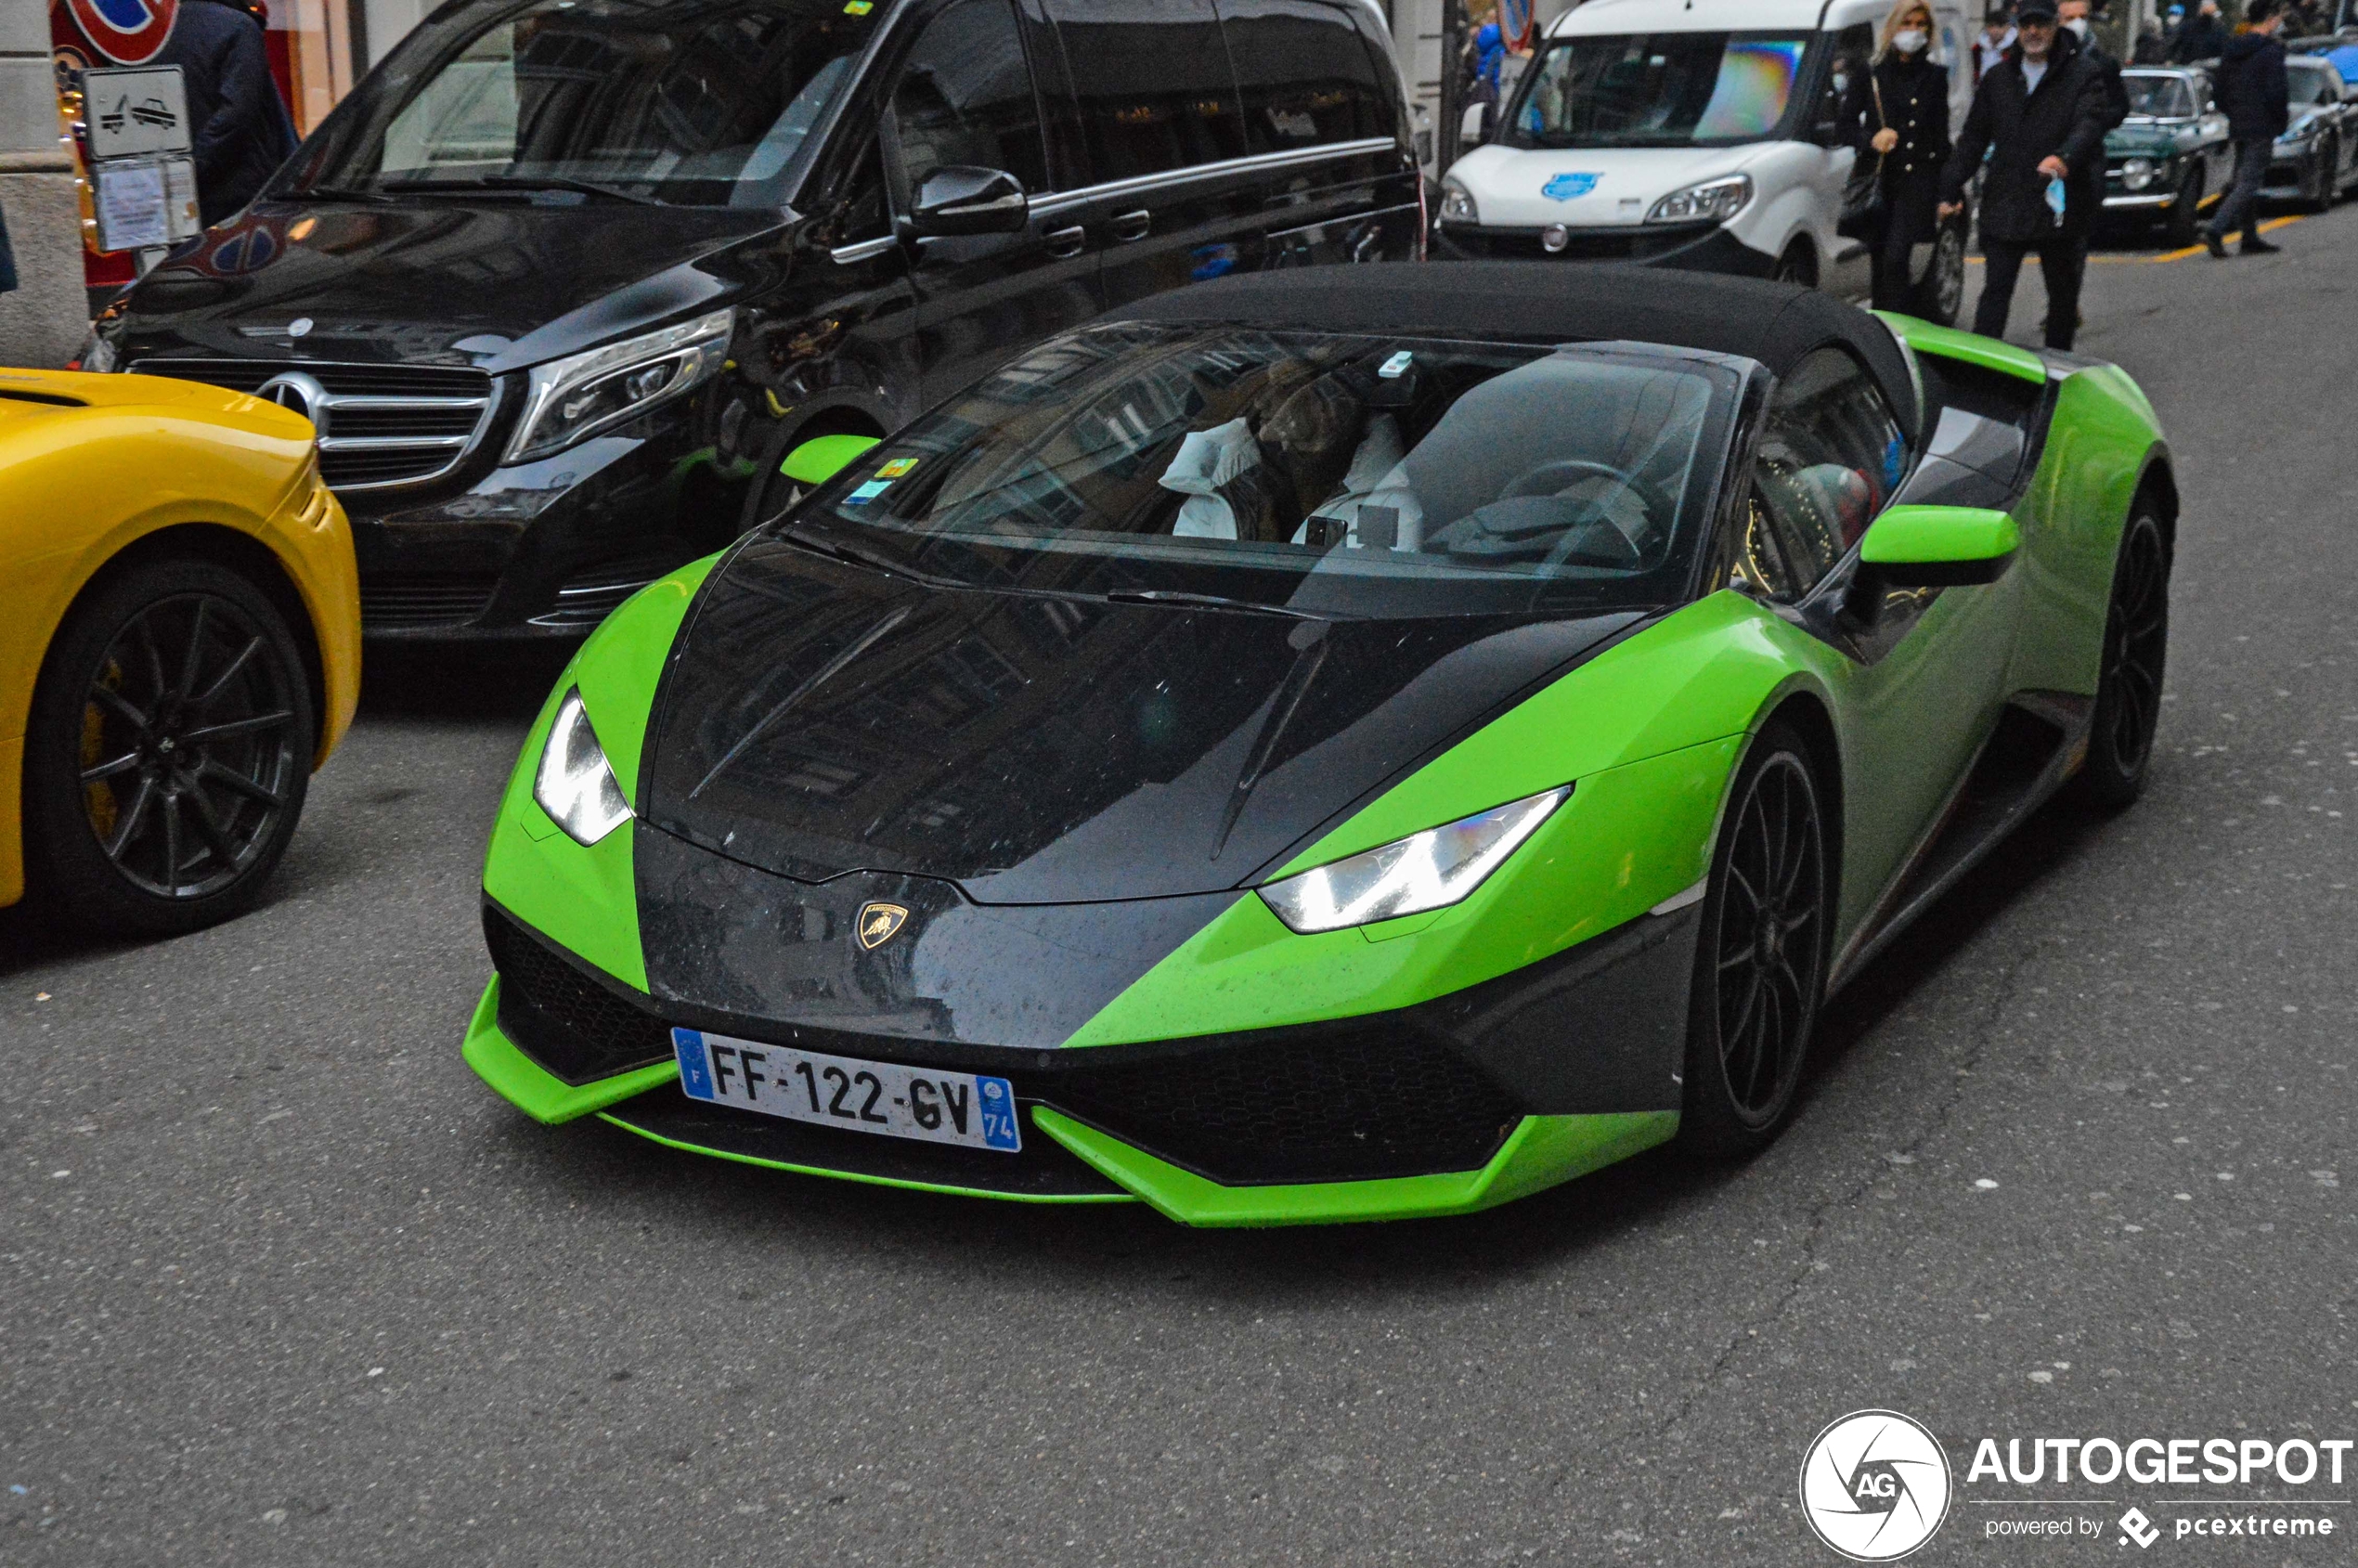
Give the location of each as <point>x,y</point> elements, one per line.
<point>1797,266</point>
<point>2182,228</point>
<point>2120,738</point>
<point>1941,298</point>
<point>2329,176</point>
<point>1760,960</point>
<point>168,661</point>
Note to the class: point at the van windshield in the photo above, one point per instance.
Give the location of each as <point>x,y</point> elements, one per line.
<point>690,102</point>
<point>1325,473</point>
<point>1658,89</point>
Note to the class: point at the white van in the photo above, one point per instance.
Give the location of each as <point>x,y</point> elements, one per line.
<point>1696,133</point>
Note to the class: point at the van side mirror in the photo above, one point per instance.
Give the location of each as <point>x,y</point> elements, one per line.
<point>1938,547</point>
<point>822,457</point>
<point>959,199</point>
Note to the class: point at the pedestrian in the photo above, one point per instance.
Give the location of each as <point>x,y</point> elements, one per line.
<point>238,130</point>
<point>2076,16</point>
<point>2201,37</point>
<point>1990,45</point>
<point>1897,113</point>
<point>2253,92</point>
<point>2039,116</point>
<point>2151,47</point>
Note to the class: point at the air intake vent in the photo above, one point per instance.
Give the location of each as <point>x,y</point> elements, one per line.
<point>391,600</point>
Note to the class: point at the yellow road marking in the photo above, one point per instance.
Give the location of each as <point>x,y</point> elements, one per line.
<point>2168,255</point>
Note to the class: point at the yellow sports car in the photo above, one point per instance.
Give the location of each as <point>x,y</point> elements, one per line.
<point>179,645</point>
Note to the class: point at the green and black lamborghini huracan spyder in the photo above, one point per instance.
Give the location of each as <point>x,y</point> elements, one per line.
<point>1333,745</point>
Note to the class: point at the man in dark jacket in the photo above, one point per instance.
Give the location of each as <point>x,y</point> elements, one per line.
<point>2076,17</point>
<point>237,128</point>
<point>2253,91</point>
<point>2041,117</point>
<point>2200,37</point>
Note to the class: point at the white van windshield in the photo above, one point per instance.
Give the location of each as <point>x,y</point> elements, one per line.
<point>1658,89</point>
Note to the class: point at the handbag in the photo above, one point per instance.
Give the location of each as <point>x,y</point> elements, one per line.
<point>1862,199</point>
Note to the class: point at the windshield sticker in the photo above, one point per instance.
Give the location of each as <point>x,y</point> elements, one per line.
<point>1398,366</point>
<point>867,492</point>
<point>857,7</point>
<point>1569,188</point>
<point>896,467</point>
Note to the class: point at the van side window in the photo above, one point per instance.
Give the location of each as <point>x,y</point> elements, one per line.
<point>865,213</point>
<point>1830,456</point>
<point>1153,80</point>
<point>1305,77</point>
<point>964,97</point>
<point>1853,57</point>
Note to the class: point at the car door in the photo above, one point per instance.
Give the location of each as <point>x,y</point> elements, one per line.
<point>1922,690</point>
<point>1173,199</point>
<point>1323,122</point>
<point>964,95</point>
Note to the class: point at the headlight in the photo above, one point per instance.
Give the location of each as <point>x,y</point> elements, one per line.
<point>1458,204</point>
<point>574,785</point>
<point>571,397</point>
<point>1428,870</point>
<point>2137,173</point>
<point>1717,201</point>
<point>97,356</point>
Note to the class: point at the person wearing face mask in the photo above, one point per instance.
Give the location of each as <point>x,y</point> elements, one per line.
<point>2253,91</point>
<point>2075,15</point>
<point>2040,119</point>
<point>1898,115</point>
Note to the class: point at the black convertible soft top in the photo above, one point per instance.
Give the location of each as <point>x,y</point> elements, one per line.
<point>1774,323</point>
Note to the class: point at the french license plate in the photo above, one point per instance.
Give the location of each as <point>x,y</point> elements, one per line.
<point>899,1102</point>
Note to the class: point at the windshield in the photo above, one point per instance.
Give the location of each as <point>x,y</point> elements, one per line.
<point>1330,475</point>
<point>2159,97</point>
<point>2305,84</point>
<point>1658,89</point>
<point>693,102</point>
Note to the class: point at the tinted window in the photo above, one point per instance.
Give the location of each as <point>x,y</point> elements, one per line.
<point>2160,97</point>
<point>1830,455</point>
<point>708,104</point>
<point>1659,89</point>
<point>1153,81</point>
<point>1342,474</point>
<point>964,96</point>
<point>1305,76</point>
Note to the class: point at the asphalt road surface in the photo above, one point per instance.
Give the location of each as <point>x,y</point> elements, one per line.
<point>282,1283</point>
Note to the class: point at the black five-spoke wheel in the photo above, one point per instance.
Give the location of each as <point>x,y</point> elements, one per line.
<point>170,750</point>
<point>1761,953</point>
<point>2129,693</point>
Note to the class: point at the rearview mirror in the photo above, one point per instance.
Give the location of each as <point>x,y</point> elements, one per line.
<point>822,457</point>
<point>962,199</point>
<point>1938,547</point>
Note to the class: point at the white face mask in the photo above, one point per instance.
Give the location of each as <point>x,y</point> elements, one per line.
<point>2078,26</point>
<point>1910,40</point>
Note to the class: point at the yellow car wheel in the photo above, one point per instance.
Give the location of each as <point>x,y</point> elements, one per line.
<point>169,750</point>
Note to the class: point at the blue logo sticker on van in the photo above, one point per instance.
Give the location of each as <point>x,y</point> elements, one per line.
<point>1569,188</point>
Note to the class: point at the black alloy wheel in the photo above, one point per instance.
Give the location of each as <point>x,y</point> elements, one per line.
<point>2328,173</point>
<point>1760,956</point>
<point>2184,222</point>
<point>2120,741</point>
<point>170,750</point>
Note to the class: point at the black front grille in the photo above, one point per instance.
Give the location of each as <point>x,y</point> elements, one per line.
<point>415,599</point>
<point>1348,1104</point>
<point>562,1019</point>
<point>344,381</point>
<point>379,425</point>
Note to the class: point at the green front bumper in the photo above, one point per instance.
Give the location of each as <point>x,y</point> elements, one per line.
<point>1541,1152</point>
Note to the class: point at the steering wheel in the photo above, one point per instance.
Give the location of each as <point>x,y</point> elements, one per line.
<point>1551,478</point>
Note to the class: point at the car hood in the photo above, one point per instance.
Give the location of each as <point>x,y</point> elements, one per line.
<point>818,719</point>
<point>1599,188</point>
<point>2153,138</point>
<point>492,284</point>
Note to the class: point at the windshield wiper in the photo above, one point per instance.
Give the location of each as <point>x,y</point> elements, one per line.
<point>1205,602</point>
<point>856,555</point>
<point>526,188</point>
<point>337,193</point>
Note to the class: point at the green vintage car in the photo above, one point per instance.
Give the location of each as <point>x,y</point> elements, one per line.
<point>2171,160</point>
<point>1329,745</point>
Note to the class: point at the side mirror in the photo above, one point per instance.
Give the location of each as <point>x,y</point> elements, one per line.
<point>962,199</point>
<point>822,457</point>
<point>1938,547</point>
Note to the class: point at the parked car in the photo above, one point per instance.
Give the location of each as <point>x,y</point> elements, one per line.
<point>2172,160</point>
<point>1292,753</point>
<point>562,281</point>
<point>2317,159</point>
<point>179,645</point>
<point>1692,134</point>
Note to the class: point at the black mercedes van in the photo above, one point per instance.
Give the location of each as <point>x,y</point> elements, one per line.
<point>563,282</point>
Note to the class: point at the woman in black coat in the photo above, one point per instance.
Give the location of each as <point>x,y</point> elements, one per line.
<point>1898,117</point>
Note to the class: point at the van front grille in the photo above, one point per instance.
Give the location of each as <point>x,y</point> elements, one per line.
<point>379,425</point>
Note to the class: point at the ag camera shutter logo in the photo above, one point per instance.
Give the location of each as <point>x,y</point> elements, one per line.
<point>1875,1485</point>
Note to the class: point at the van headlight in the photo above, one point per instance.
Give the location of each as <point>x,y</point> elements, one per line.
<point>1429,870</point>
<point>570,398</point>
<point>1458,204</point>
<point>2137,174</point>
<point>573,784</point>
<point>1713,202</point>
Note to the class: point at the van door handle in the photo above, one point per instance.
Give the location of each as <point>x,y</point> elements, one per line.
<point>1065,241</point>
<point>1132,225</point>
